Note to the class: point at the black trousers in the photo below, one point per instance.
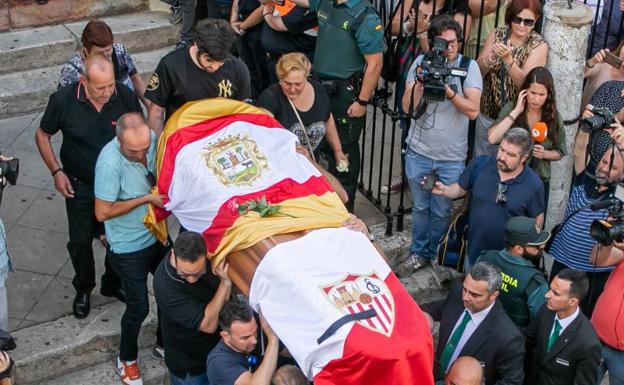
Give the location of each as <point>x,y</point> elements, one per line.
<point>83,227</point>
<point>596,286</point>
<point>341,95</point>
<point>133,269</point>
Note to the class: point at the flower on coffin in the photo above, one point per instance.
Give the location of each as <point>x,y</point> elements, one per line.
<point>262,207</point>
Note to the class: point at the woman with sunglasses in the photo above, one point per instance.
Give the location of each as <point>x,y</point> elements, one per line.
<point>296,101</point>
<point>536,103</point>
<point>510,52</point>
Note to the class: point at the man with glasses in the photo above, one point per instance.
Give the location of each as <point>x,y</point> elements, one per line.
<point>500,187</point>
<point>122,193</point>
<point>189,297</point>
<point>437,141</point>
<point>206,69</point>
<point>524,286</point>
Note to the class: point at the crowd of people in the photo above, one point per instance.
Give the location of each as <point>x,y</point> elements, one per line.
<point>314,66</point>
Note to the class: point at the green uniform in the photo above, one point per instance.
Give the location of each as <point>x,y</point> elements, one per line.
<point>346,33</point>
<point>523,288</point>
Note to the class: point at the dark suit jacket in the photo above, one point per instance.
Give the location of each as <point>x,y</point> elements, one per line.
<point>574,357</point>
<point>496,343</point>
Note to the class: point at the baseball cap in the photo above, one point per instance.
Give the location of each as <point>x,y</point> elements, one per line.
<point>522,231</point>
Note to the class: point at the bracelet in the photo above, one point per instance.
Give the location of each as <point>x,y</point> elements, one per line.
<point>511,117</point>
<point>589,65</point>
<point>454,94</point>
<point>266,13</point>
<point>57,171</point>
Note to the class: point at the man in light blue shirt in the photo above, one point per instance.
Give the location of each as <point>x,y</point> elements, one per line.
<point>124,176</point>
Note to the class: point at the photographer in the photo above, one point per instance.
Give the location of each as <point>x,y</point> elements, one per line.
<point>437,141</point>
<point>572,244</point>
<point>608,316</point>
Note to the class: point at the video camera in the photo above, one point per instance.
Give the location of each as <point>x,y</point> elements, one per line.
<point>607,231</point>
<point>436,72</point>
<point>603,118</point>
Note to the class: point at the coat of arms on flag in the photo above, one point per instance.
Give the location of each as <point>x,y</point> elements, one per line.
<point>358,293</point>
<point>235,160</point>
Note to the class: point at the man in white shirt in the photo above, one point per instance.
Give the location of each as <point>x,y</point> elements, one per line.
<point>473,323</point>
<point>562,343</point>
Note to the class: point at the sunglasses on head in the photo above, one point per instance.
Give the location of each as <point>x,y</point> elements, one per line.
<point>501,198</point>
<point>518,20</point>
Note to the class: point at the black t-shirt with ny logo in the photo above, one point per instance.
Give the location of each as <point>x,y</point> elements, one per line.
<point>177,80</point>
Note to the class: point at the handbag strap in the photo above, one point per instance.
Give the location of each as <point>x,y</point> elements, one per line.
<point>303,127</point>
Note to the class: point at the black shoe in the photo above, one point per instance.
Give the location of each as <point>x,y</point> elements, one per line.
<point>117,293</point>
<point>82,305</point>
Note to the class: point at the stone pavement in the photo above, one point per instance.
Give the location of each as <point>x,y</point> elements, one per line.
<point>40,289</point>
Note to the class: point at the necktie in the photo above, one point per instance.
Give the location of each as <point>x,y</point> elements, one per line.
<point>451,345</point>
<point>554,336</point>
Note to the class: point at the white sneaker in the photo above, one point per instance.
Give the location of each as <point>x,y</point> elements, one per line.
<point>128,372</point>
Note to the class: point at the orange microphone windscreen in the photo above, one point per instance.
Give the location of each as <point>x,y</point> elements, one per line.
<point>539,132</point>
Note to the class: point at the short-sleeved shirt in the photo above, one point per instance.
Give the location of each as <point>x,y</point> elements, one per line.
<point>122,63</point>
<point>369,36</point>
<point>85,131</point>
<point>297,38</point>
<point>573,245</point>
<point>225,365</point>
<point>119,179</point>
<point>525,197</point>
<point>177,80</point>
<point>540,166</point>
<point>441,133</point>
<point>182,306</point>
<point>274,100</point>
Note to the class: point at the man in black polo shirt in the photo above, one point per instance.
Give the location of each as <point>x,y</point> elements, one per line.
<point>500,187</point>
<point>189,298</point>
<point>204,70</point>
<point>86,114</point>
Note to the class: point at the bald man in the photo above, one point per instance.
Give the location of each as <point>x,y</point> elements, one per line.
<point>124,176</point>
<point>86,113</point>
<point>465,371</point>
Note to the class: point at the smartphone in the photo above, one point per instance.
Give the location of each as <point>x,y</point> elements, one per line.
<point>428,182</point>
<point>613,60</point>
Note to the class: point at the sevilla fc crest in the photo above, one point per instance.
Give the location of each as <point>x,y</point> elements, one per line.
<point>358,293</point>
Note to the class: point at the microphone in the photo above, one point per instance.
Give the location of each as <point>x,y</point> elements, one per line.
<point>539,132</point>
<point>601,205</point>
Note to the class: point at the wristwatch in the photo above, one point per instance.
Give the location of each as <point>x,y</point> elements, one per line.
<point>361,102</point>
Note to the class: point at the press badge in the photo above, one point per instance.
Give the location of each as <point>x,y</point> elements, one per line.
<point>561,361</point>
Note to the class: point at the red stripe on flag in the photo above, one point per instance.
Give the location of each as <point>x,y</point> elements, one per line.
<point>275,194</point>
<point>198,131</point>
<point>383,311</point>
<point>379,319</point>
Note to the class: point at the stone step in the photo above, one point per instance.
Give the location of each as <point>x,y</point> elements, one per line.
<point>153,372</point>
<point>49,46</point>
<point>55,349</point>
<point>27,13</point>
<point>28,91</point>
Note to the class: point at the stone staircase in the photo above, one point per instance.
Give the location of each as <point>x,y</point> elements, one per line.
<point>31,59</point>
<point>67,350</point>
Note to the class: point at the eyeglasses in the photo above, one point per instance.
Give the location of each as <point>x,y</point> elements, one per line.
<point>190,275</point>
<point>500,193</point>
<point>518,20</point>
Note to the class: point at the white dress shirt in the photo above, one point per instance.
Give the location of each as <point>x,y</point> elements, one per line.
<point>471,326</point>
<point>564,322</point>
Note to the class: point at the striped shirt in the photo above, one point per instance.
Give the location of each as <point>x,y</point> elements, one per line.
<point>573,244</point>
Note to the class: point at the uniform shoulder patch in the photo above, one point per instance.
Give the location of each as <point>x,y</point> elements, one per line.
<point>154,82</point>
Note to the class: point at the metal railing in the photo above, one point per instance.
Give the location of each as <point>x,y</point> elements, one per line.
<point>381,142</point>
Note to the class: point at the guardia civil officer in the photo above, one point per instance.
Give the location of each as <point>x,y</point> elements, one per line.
<point>347,60</point>
<point>524,286</point>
